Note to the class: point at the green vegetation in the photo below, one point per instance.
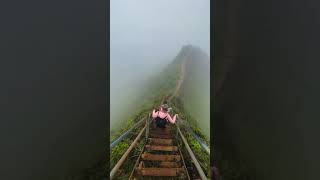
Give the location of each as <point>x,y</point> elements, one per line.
<point>203,157</point>
<point>118,151</point>
<point>195,93</point>
<point>179,108</point>
<point>156,89</point>
<point>125,171</point>
<point>159,87</point>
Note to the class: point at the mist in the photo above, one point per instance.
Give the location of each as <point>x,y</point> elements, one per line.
<point>144,37</point>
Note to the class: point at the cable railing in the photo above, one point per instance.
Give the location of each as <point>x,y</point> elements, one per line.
<point>190,152</point>
<point>125,155</point>
<point>200,141</point>
<point>124,135</point>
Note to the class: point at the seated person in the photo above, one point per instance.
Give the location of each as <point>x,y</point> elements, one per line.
<point>162,116</point>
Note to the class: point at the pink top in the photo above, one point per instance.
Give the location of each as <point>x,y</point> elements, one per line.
<point>164,115</point>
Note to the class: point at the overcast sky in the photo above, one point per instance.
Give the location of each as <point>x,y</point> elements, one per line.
<point>156,29</point>
<point>146,34</point>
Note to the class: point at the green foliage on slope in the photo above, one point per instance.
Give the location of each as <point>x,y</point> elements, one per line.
<point>203,157</point>
<point>195,92</point>
<point>159,86</point>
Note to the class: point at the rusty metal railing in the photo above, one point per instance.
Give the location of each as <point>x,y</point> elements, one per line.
<point>197,138</point>
<point>193,157</point>
<point>147,126</point>
<point>125,155</point>
<point>124,135</point>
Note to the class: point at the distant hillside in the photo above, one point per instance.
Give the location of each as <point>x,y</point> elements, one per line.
<point>195,90</point>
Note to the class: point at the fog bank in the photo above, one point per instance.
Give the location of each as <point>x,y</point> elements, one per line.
<point>145,37</point>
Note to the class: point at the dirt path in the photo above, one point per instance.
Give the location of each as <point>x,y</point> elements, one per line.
<point>180,81</point>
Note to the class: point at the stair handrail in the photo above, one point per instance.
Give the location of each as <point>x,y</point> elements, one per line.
<point>201,142</point>
<point>193,157</point>
<point>148,126</point>
<point>125,155</point>
<point>125,134</point>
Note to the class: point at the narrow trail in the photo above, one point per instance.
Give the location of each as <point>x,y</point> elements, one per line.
<point>180,81</point>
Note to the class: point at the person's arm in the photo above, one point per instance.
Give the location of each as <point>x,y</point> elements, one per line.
<point>154,114</point>
<point>172,120</point>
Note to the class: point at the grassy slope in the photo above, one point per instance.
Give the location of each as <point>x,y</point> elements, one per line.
<point>196,89</point>
<point>159,86</point>
<point>203,158</point>
<point>193,104</point>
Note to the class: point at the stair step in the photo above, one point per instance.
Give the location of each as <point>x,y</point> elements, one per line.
<point>161,148</point>
<point>154,126</point>
<point>161,171</point>
<point>159,141</point>
<point>158,157</point>
<point>160,133</point>
<point>166,164</point>
<point>161,136</point>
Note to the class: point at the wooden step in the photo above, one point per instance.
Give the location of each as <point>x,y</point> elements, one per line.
<point>154,126</point>
<point>160,133</point>
<point>158,157</point>
<point>161,171</point>
<point>159,141</point>
<point>166,164</point>
<point>162,130</point>
<point>161,148</point>
<point>161,136</point>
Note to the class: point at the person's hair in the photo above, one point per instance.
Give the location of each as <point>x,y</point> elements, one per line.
<point>165,107</point>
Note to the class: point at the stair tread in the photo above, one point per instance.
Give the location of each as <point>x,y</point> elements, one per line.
<point>161,148</point>
<point>161,171</point>
<point>166,164</point>
<point>160,157</point>
<point>160,141</point>
<point>162,136</point>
